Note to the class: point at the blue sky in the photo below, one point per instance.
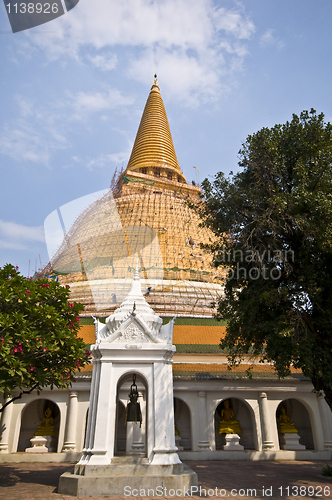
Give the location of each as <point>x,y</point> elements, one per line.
<point>73,91</point>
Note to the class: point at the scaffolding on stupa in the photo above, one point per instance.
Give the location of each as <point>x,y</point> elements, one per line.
<point>98,255</point>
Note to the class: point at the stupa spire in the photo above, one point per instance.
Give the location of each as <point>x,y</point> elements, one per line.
<point>153,147</point>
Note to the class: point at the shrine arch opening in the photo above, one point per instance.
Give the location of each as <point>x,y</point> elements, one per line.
<point>243,415</point>
<point>293,416</point>
<point>182,421</point>
<point>131,436</point>
<point>32,416</point>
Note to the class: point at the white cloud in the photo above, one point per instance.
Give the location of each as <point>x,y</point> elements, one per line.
<point>185,78</point>
<point>105,63</point>
<point>203,42</point>
<point>21,140</point>
<point>11,245</point>
<point>270,39</point>
<point>138,23</point>
<point>87,103</point>
<point>108,160</point>
<point>17,237</point>
<point>238,49</point>
<point>39,131</point>
<point>104,160</point>
<point>25,105</point>
<point>234,22</point>
<point>33,136</point>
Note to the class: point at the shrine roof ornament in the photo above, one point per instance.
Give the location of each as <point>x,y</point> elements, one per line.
<point>134,322</point>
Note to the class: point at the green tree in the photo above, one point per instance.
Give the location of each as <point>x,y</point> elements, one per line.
<point>39,345</point>
<point>273,220</point>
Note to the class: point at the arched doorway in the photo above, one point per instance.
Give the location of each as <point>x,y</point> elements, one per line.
<point>32,416</point>
<point>130,437</point>
<point>182,420</point>
<point>299,416</point>
<point>244,416</point>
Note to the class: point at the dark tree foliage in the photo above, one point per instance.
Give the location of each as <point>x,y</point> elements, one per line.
<point>39,345</point>
<point>273,220</point>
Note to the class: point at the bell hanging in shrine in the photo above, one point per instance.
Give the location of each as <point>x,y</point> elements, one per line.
<point>133,411</point>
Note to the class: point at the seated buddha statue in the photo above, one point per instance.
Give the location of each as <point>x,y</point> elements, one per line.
<point>46,428</point>
<point>228,424</point>
<point>285,425</point>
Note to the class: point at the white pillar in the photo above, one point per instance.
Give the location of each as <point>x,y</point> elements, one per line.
<point>268,443</point>
<point>70,437</point>
<point>164,435</point>
<point>93,402</point>
<point>326,428</point>
<point>103,420</point>
<point>5,427</point>
<point>203,443</point>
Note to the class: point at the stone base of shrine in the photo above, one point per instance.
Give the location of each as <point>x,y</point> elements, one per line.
<point>123,478</point>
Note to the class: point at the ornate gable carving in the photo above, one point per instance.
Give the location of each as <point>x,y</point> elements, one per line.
<point>132,333</point>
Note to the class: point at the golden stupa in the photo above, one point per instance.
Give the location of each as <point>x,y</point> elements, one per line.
<point>145,215</point>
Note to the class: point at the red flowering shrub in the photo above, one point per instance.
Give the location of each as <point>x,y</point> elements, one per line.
<point>39,345</point>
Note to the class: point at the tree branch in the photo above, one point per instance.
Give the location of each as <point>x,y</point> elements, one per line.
<point>14,398</point>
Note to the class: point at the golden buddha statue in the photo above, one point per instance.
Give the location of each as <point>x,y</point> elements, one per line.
<point>228,424</point>
<point>285,425</point>
<point>46,428</point>
<point>176,430</point>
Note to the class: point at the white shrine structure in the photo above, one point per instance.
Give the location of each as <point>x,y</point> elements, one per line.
<point>132,343</point>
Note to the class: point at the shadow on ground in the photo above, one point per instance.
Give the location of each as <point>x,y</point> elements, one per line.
<point>32,473</point>
<point>261,479</point>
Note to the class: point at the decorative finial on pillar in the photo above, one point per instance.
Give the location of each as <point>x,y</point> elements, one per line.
<point>155,81</point>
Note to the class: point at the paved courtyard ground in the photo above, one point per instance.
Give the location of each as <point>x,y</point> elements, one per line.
<point>219,479</point>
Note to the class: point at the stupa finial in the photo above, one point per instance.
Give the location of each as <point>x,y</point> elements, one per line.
<point>153,147</point>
